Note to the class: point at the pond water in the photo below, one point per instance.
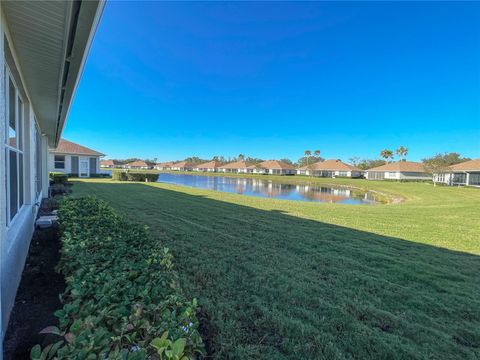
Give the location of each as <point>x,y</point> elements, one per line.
<point>269,189</point>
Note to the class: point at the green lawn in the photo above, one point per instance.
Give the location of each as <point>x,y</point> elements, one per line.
<point>297,280</point>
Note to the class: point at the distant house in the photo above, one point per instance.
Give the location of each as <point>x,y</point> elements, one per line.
<point>330,168</point>
<point>211,166</point>
<point>182,166</point>
<point>139,164</point>
<point>236,167</point>
<point>465,173</point>
<point>399,170</point>
<point>110,164</point>
<point>273,167</point>
<point>75,159</point>
<point>164,166</point>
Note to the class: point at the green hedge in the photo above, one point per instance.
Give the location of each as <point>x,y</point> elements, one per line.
<point>58,177</point>
<point>122,294</point>
<point>134,176</point>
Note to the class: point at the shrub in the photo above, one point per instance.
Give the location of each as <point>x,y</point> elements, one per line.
<point>122,300</point>
<point>119,176</point>
<point>58,177</point>
<point>134,176</point>
<point>58,189</point>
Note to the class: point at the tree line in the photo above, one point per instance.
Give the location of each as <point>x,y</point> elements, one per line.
<point>436,163</point>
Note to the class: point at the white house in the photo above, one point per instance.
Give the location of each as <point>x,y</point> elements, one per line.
<point>182,166</point>
<point>273,167</point>
<point>330,168</point>
<point>139,164</point>
<point>465,173</point>
<point>164,166</point>
<point>43,48</point>
<point>211,166</point>
<point>236,167</point>
<point>399,170</point>
<point>74,159</point>
<point>110,164</point>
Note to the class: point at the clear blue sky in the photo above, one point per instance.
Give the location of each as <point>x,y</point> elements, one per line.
<point>170,80</point>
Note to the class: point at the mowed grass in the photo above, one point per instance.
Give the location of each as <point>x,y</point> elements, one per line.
<point>296,280</point>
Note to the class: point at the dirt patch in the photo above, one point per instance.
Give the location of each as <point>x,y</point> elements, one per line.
<point>37,297</point>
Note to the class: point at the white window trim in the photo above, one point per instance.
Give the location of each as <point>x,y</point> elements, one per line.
<point>8,148</point>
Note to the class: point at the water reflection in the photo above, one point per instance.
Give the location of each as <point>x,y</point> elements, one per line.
<point>266,188</point>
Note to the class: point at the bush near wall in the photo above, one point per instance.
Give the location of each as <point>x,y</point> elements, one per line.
<point>134,176</point>
<point>58,177</point>
<point>123,300</point>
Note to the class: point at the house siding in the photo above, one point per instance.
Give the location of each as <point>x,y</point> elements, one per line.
<point>15,237</point>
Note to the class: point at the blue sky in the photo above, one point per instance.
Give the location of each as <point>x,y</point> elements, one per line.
<point>175,79</point>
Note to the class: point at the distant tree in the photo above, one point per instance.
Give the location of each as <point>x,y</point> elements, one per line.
<point>288,161</point>
<point>402,152</point>
<point>195,160</point>
<point>386,154</point>
<point>368,164</point>
<point>435,165</point>
<point>240,157</point>
<point>304,161</point>
<point>308,153</point>
<point>253,160</point>
<point>354,160</point>
<point>316,153</point>
<point>453,158</point>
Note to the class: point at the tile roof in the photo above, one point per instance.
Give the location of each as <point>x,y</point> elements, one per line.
<point>236,165</point>
<point>109,163</point>
<point>467,165</point>
<point>209,165</point>
<point>273,164</point>
<point>68,147</point>
<point>165,164</point>
<point>401,166</point>
<point>140,163</point>
<point>330,165</point>
<point>183,164</point>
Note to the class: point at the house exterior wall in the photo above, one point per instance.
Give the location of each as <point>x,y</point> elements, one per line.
<point>15,235</point>
<point>396,175</point>
<point>68,163</point>
<point>470,178</point>
<point>329,173</point>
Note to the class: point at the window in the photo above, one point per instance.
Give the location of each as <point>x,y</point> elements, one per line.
<point>474,179</point>
<point>13,149</point>
<point>59,162</point>
<point>343,173</point>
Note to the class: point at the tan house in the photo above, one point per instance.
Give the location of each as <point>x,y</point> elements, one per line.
<point>109,164</point>
<point>236,167</point>
<point>139,164</point>
<point>71,158</point>
<point>182,166</point>
<point>164,166</point>
<point>273,167</point>
<point>399,170</point>
<point>465,173</point>
<point>331,168</point>
<point>211,166</point>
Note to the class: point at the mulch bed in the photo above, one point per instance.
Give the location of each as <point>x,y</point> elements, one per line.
<point>37,297</point>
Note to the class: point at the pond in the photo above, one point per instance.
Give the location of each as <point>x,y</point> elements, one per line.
<point>269,189</point>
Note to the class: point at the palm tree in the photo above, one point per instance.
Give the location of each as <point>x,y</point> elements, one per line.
<point>241,157</point>
<point>316,153</point>
<point>308,153</point>
<point>402,152</point>
<point>386,154</point>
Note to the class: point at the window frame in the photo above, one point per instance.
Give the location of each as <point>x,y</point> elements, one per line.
<point>55,161</point>
<point>18,149</point>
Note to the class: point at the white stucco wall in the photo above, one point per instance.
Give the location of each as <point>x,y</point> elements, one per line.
<point>68,162</point>
<point>15,238</point>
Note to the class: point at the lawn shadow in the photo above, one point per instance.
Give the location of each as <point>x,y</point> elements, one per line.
<point>272,285</point>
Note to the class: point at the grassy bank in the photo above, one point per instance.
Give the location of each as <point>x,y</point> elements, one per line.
<point>284,279</point>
